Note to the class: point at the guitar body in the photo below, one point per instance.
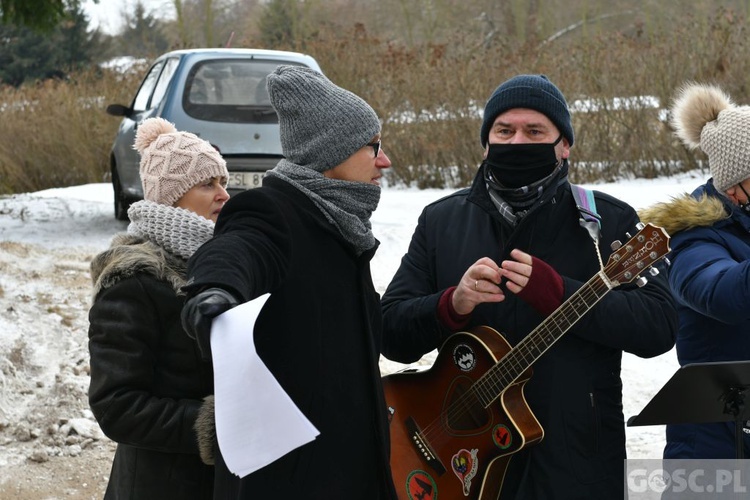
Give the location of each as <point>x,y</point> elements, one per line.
<point>445,442</point>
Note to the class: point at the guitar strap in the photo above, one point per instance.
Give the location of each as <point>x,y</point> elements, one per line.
<point>586,205</point>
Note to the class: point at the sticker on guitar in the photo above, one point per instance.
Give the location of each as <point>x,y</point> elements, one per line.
<point>465,465</point>
<point>463,356</point>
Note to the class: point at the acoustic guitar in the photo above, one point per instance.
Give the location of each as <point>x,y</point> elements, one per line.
<point>455,426</point>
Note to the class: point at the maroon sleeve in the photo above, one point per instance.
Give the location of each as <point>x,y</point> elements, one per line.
<point>544,291</point>
<point>447,315</point>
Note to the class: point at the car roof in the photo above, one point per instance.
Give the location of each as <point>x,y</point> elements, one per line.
<point>260,53</point>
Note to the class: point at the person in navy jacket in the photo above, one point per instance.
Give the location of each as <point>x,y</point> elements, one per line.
<point>710,271</point>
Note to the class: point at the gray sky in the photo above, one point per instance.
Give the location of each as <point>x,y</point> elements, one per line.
<point>107,14</point>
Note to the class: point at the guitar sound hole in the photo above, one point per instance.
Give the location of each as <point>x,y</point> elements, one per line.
<point>464,411</point>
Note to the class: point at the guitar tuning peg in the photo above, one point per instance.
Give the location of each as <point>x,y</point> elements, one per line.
<point>653,271</point>
<point>640,226</point>
<point>615,245</point>
<point>667,262</point>
<point>641,281</point>
<point>628,235</point>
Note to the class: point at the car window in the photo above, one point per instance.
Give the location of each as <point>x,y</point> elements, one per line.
<point>140,103</point>
<point>230,90</point>
<point>164,78</point>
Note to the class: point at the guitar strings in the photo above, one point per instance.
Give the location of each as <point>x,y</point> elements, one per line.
<point>433,432</point>
<point>488,382</point>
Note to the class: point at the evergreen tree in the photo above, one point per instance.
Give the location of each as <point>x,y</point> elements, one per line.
<point>285,23</point>
<point>27,54</point>
<point>142,34</point>
<point>41,15</point>
<point>78,46</point>
<point>276,23</point>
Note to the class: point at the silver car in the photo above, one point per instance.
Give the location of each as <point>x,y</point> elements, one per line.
<point>217,94</point>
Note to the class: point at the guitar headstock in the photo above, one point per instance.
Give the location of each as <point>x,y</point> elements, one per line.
<point>648,246</point>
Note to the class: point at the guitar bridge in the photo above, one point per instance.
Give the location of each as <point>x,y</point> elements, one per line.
<point>423,448</point>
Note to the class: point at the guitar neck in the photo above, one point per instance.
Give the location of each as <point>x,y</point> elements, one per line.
<point>506,371</point>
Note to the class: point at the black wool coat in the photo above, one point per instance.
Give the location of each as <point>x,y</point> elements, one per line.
<point>147,379</point>
<point>319,335</point>
<point>576,390</point>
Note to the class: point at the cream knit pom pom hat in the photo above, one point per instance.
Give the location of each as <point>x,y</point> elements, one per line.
<point>704,116</point>
<point>173,162</point>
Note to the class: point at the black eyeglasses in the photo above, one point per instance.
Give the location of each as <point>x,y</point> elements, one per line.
<point>375,147</point>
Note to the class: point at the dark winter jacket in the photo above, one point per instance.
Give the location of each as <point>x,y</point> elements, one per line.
<point>710,278</point>
<point>319,335</point>
<point>147,380</point>
<point>576,390</point>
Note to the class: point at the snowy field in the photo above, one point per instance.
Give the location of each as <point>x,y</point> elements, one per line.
<point>47,240</point>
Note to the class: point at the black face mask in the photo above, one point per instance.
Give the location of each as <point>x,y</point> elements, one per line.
<point>518,165</point>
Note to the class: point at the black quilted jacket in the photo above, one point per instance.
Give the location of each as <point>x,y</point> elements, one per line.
<point>147,380</point>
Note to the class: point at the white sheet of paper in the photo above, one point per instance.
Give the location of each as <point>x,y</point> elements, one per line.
<point>256,420</point>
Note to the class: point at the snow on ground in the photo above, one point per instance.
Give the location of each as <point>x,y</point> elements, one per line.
<point>50,445</point>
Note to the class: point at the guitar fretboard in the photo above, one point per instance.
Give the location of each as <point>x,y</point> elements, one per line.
<point>506,371</point>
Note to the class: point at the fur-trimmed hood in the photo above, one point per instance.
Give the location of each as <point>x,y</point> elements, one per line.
<point>684,212</point>
<point>129,255</point>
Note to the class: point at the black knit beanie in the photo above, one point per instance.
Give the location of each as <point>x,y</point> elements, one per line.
<point>532,92</point>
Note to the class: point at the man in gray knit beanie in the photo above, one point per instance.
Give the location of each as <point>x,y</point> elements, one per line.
<point>305,239</point>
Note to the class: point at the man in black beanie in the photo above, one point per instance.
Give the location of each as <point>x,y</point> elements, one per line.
<point>506,253</point>
<point>305,238</point>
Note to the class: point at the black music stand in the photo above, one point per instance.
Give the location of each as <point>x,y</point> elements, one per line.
<point>701,393</point>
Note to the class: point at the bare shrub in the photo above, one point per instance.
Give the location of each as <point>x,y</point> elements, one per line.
<point>57,132</point>
<point>620,87</point>
<point>430,94</point>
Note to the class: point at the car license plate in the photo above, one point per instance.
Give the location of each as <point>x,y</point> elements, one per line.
<point>245,180</point>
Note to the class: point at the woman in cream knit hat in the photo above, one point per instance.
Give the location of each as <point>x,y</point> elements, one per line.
<point>710,270</point>
<point>147,378</point>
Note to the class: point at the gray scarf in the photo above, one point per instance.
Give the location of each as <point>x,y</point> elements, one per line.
<point>347,205</point>
<point>178,231</point>
<point>514,203</point>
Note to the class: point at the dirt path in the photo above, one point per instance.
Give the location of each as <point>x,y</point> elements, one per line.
<point>63,477</point>
<point>50,444</point>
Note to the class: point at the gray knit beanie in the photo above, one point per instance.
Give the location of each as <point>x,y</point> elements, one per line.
<point>532,92</point>
<point>704,116</point>
<point>174,162</point>
<point>321,124</point>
